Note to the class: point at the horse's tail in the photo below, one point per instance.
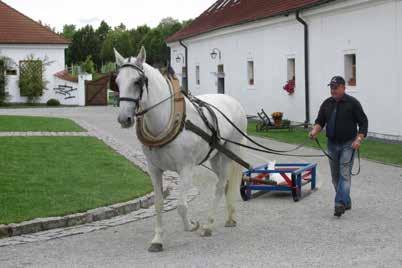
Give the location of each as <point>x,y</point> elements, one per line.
<point>234,179</point>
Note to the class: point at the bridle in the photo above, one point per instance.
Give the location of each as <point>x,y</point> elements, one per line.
<point>142,82</point>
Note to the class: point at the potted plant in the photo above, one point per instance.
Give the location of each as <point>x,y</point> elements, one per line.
<point>277,116</point>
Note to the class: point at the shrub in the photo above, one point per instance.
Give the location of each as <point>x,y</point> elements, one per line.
<point>88,65</point>
<point>3,80</point>
<point>52,102</point>
<point>31,81</point>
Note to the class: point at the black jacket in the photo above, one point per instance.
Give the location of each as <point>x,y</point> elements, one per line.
<point>349,115</point>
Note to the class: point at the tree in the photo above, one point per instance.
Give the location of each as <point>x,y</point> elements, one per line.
<point>154,43</point>
<point>85,42</point>
<point>119,39</point>
<point>103,31</point>
<point>68,32</point>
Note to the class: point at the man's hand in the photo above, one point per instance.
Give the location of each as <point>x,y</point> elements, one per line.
<point>358,141</point>
<point>314,132</point>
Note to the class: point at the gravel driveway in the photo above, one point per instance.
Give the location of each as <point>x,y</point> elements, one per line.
<point>272,231</point>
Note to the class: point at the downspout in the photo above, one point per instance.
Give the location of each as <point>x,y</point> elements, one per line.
<point>186,56</point>
<point>306,65</point>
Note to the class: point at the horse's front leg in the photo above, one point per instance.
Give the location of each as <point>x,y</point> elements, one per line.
<point>184,186</point>
<point>156,177</point>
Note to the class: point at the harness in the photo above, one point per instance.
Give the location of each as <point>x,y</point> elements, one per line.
<point>178,122</point>
<point>177,115</point>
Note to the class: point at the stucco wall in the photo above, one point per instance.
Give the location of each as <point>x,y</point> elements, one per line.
<point>370,29</point>
<point>17,53</point>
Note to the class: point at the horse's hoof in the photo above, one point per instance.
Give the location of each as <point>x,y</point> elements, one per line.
<point>196,226</point>
<point>230,224</point>
<point>206,233</point>
<point>155,248</point>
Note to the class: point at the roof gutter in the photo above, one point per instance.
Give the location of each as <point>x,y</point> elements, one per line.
<point>185,86</point>
<point>306,66</point>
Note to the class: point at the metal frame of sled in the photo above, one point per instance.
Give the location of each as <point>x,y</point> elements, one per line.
<point>302,174</point>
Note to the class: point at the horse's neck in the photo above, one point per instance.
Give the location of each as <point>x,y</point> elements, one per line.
<point>156,119</point>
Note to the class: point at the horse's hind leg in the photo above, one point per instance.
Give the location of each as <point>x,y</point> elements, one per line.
<point>184,187</point>
<point>233,187</point>
<point>220,166</point>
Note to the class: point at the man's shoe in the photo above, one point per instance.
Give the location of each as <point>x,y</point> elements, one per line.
<point>348,207</point>
<point>339,210</point>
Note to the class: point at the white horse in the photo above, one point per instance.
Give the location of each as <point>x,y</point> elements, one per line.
<point>186,152</point>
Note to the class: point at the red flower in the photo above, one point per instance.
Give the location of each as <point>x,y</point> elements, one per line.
<point>290,86</point>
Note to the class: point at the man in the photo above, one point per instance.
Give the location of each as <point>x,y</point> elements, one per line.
<point>341,114</point>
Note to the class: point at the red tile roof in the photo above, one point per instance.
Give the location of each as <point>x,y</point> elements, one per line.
<point>65,75</point>
<point>224,13</point>
<point>16,28</point>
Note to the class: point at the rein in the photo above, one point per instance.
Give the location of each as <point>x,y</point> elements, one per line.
<point>270,150</point>
<point>216,135</point>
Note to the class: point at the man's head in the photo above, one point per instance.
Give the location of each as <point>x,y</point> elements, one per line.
<point>337,85</point>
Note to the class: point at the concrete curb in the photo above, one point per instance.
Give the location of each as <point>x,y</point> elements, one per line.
<point>93,215</point>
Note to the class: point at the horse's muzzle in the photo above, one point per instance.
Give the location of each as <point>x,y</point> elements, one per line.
<point>126,121</point>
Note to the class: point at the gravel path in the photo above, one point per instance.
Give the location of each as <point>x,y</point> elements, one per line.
<point>272,231</point>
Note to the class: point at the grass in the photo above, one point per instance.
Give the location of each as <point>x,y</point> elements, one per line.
<point>55,176</point>
<point>27,123</point>
<point>371,149</point>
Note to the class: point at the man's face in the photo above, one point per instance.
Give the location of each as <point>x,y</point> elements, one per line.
<point>337,91</point>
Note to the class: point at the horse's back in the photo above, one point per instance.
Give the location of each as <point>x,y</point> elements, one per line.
<point>229,106</point>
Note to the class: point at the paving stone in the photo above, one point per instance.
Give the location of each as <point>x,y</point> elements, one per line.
<point>27,227</point>
<point>54,223</point>
<point>78,218</point>
<point>102,213</point>
<point>5,231</point>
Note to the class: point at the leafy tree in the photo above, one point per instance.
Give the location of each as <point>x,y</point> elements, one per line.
<point>85,42</point>
<point>99,44</point>
<point>68,32</point>
<point>103,31</point>
<point>88,65</point>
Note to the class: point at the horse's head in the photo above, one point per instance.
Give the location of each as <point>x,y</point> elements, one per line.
<point>131,82</point>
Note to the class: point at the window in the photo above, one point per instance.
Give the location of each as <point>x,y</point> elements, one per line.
<point>350,69</point>
<point>250,72</point>
<point>197,75</point>
<point>11,72</point>
<point>291,69</point>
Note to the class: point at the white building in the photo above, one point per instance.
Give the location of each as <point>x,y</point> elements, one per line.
<point>21,37</point>
<point>250,48</point>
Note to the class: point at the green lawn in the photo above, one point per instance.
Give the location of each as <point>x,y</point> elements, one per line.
<point>375,150</point>
<point>54,176</point>
<point>27,123</point>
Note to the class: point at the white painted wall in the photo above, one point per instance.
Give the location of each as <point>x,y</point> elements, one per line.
<point>17,53</point>
<point>371,29</point>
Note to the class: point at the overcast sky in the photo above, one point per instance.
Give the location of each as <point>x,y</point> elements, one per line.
<point>130,12</point>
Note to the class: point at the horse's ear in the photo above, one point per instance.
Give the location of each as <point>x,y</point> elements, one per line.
<point>119,58</point>
<point>142,56</point>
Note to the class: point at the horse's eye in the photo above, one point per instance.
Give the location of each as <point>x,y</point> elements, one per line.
<point>138,83</point>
